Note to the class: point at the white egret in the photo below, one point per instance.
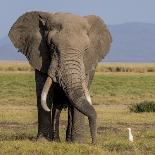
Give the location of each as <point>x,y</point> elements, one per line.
<point>130,135</point>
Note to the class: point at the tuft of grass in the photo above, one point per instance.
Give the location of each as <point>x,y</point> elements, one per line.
<point>144,106</point>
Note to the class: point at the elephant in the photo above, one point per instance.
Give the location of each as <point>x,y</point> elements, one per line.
<point>64,49</point>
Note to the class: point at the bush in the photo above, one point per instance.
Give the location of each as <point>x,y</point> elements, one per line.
<point>144,106</point>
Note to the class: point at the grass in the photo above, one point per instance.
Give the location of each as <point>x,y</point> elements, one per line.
<point>107,88</point>
<point>18,129</point>
<point>116,67</point>
<point>119,67</point>
<point>144,106</point>
<point>46,148</point>
<point>111,92</point>
<point>17,88</point>
<point>15,66</point>
<point>122,88</point>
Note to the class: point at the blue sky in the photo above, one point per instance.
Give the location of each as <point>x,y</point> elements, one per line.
<point>112,11</point>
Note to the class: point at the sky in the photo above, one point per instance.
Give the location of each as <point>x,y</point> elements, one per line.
<point>112,11</point>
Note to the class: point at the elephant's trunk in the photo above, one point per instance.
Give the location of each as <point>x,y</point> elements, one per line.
<point>73,82</point>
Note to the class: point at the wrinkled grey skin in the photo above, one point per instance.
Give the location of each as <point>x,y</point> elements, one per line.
<point>66,48</point>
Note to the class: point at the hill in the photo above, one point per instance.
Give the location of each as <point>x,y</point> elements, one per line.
<point>132,42</point>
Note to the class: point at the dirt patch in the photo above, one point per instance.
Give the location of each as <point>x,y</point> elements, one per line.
<point>103,129</point>
<point>112,106</point>
<point>17,137</point>
<point>15,125</point>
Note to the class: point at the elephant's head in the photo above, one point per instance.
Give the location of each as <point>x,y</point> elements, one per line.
<point>66,47</point>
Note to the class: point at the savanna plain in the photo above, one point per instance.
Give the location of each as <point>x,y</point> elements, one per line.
<point>115,87</point>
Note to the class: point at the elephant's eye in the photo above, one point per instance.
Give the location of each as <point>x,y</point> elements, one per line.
<point>59,27</point>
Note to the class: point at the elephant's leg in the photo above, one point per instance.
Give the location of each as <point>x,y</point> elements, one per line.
<point>75,128</point>
<point>70,124</point>
<point>76,123</point>
<point>56,110</point>
<point>44,118</point>
<point>78,126</point>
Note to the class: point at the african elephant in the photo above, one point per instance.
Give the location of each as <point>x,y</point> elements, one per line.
<point>64,50</point>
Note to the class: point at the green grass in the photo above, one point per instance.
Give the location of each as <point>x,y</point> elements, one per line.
<point>111,92</point>
<point>122,88</point>
<point>144,106</point>
<point>107,88</point>
<point>17,88</point>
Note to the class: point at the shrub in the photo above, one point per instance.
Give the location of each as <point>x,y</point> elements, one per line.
<point>145,106</point>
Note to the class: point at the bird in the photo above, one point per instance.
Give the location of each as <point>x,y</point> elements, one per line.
<point>130,135</point>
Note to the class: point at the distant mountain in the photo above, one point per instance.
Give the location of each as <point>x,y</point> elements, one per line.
<point>132,42</point>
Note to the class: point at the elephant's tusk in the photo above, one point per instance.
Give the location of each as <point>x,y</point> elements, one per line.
<point>84,85</point>
<point>44,93</point>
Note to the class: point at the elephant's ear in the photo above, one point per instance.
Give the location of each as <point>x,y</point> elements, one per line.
<point>27,35</point>
<point>100,41</point>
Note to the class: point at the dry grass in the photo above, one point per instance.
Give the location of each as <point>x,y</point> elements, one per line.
<point>120,67</point>
<point>15,66</point>
<point>18,129</point>
<point>116,67</point>
<point>27,147</point>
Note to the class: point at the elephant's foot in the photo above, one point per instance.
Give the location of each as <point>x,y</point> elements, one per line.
<point>56,138</point>
<point>93,143</point>
<point>68,138</point>
<point>77,138</point>
<point>42,138</point>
